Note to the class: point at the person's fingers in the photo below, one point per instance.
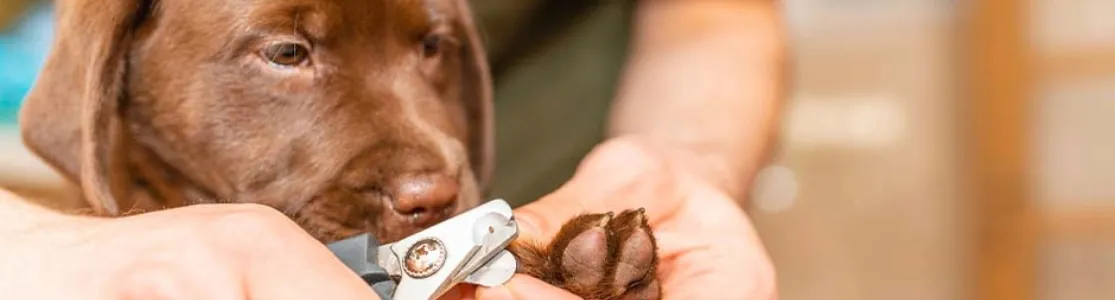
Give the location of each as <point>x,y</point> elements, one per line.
<point>315,277</point>
<point>288,264</point>
<point>522,287</point>
<point>615,176</point>
<point>462,291</point>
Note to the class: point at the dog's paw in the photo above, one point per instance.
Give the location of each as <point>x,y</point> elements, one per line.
<point>597,256</point>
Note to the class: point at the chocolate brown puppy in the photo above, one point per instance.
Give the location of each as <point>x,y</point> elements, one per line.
<point>349,116</point>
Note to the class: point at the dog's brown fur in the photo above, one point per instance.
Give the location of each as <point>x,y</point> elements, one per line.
<point>347,115</point>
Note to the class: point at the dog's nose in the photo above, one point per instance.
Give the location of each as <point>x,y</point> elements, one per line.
<point>425,198</point>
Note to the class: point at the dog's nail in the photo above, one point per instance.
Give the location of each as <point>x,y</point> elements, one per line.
<point>606,219</point>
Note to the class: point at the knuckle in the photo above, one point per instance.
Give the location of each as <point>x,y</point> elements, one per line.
<point>253,215</point>
<point>250,220</point>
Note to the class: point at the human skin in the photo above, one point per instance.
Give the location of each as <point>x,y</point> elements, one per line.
<point>690,126</point>
<point>706,77</point>
<point>707,247</point>
<point>221,251</point>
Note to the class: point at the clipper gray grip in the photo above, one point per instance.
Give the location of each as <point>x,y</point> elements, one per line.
<point>356,253</point>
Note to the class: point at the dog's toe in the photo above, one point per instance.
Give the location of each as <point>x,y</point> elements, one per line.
<point>635,257</point>
<point>599,256</point>
<point>582,262</point>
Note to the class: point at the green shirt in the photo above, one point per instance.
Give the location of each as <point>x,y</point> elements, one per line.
<point>551,102</point>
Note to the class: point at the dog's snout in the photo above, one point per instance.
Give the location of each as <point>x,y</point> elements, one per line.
<point>426,197</point>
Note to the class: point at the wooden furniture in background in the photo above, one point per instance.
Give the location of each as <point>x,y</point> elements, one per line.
<point>999,91</point>
<point>1008,71</point>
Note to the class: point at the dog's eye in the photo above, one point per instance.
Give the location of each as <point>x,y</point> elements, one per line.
<point>285,54</point>
<point>431,45</point>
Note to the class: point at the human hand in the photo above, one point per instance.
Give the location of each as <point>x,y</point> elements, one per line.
<point>225,251</point>
<point>707,247</point>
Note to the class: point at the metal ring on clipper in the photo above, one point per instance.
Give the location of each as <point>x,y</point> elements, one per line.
<point>424,258</point>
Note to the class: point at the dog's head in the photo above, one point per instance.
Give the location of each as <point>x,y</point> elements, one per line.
<point>348,115</point>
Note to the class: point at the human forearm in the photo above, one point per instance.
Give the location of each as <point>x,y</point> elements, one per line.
<point>705,76</point>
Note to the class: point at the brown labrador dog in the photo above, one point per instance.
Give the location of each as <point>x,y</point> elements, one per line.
<point>349,116</point>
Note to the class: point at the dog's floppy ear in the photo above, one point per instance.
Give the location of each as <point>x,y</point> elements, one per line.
<point>476,92</point>
<point>69,113</point>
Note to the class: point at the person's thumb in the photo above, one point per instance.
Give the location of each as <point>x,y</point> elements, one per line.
<point>615,176</point>
<point>522,287</point>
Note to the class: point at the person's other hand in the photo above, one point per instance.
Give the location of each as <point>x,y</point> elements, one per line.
<point>707,246</point>
<point>217,252</point>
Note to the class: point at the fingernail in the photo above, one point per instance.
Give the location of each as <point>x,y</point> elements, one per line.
<point>494,293</point>
<point>530,222</point>
<point>526,223</point>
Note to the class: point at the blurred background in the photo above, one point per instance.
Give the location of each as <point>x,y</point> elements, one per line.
<point>929,150</point>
